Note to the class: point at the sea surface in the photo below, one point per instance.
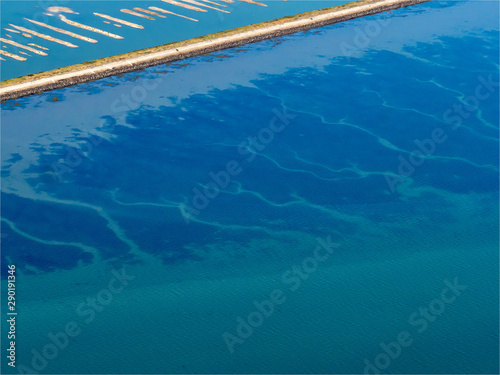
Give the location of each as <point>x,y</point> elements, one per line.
<point>325,202</point>
<point>156,31</point>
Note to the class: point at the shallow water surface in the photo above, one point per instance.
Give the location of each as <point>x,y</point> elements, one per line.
<point>347,174</point>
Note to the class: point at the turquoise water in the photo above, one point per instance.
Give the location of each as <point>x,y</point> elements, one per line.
<point>155,32</point>
<point>377,136</point>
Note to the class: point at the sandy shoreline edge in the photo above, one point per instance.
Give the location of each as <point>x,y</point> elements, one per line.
<point>195,47</point>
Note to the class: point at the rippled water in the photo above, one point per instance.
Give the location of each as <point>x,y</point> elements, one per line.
<point>379,135</point>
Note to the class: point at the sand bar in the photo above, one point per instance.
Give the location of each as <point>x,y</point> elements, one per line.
<point>187,6</point>
<point>37,46</point>
<point>62,31</point>
<point>61,10</point>
<point>254,2</point>
<point>204,5</point>
<point>41,53</point>
<point>214,3</point>
<point>131,12</point>
<point>87,72</point>
<point>44,36</point>
<point>175,14</point>
<point>150,12</point>
<point>13,56</point>
<point>89,28</point>
<point>117,20</point>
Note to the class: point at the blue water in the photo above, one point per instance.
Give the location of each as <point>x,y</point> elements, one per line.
<point>156,32</point>
<point>380,133</point>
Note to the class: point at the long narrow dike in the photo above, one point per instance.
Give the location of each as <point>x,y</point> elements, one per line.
<point>232,38</point>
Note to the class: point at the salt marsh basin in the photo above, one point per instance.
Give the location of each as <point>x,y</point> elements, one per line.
<point>172,23</point>
<point>210,43</point>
